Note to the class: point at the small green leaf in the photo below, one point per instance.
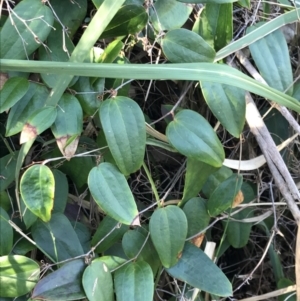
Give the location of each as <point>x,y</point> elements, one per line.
<point>271,57</point>
<point>32,101</point>
<point>111,192</point>
<point>130,19</point>
<point>168,229</point>
<point>196,175</point>
<point>123,123</point>
<point>8,165</point>
<point>37,123</point>
<point>184,46</point>
<point>196,269</point>
<point>68,123</point>
<point>134,243</point>
<point>223,196</point>
<point>197,216</point>
<point>97,282</point>
<point>228,105</point>
<point>106,226</point>
<point>13,90</point>
<point>169,14</point>
<point>18,275</point>
<point>194,137</point>
<point>62,284</point>
<point>19,44</point>
<point>112,262</point>
<point>7,234</point>
<point>37,190</point>
<point>52,238</point>
<point>134,282</point>
<point>111,52</point>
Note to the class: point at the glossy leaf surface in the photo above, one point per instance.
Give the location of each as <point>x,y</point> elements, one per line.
<point>123,123</point>
<point>97,282</point>
<point>37,190</point>
<point>168,230</point>
<point>18,275</point>
<point>13,90</point>
<point>62,284</point>
<point>193,137</point>
<point>184,46</point>
<point>134,282</point>
<point>111,192</point>
<point>194,266</point>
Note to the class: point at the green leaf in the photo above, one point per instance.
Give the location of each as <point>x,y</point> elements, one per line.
<point>106,226</point>
<point>228,105</point>
<point>215,24</point>
<point>184,46</point>
<point>194,137</point>
<point>196,269</point>
<point>196,175</point>
<point>52,238</point>
<point>123,124</point>
<point>111,192</point>
<point>13,90</point>
<point>61,191</point>
<point>130,19</point>
<point>4,199</point>
<point>28,217</point>
<point>97,282</point>
<point>76,13</point>
<point>197,216</point>
<point>7,234</point>
<point>8,165</point>
<point>244,3</point>
<point>19,44</point>
<point>134,243</point>
<point>168,229</point>
<point>223,196</point>
<point>283,283</point>
<point>112,262</point>
<point>37,190</point>
<point>215,179</point>
<point>32,101</point>
<point>134,282</point>
<point>62,284</point>
<point>169,14</point>
<point>207,1</point>
<point>18,275</point>
<point>238,232</point>
<point>37,123</point>
<point>271,57</point>
<point>68,123</point>
<point>111,52</point>
<point>61,47</point>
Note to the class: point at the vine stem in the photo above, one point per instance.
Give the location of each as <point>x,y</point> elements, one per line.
<point>152,184</point>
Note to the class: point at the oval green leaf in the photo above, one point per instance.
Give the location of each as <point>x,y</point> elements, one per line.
<point>184,46</point>
<point>168,229</point>
<point>134,282</point>
<point>228,104</point>
<point>97,282</point>
<point>18,275</point>
<point>13,90</point>
<point>68,123</point>
<point>37,189</point>
<point>223,196</point>
<point>52,238</point>
<point>32,101</point>
<point>124,127</point>
<point>272,58</point>
<point>130,19</point>
<point>62,284</point>
<point>7,234</point>
<point>111,192</point>
<point>12,45</point>
<point>37,123</point>
<point>196,214</point>
<point>194,137</point>
<point>169,14</point>
<point>196,269</point>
